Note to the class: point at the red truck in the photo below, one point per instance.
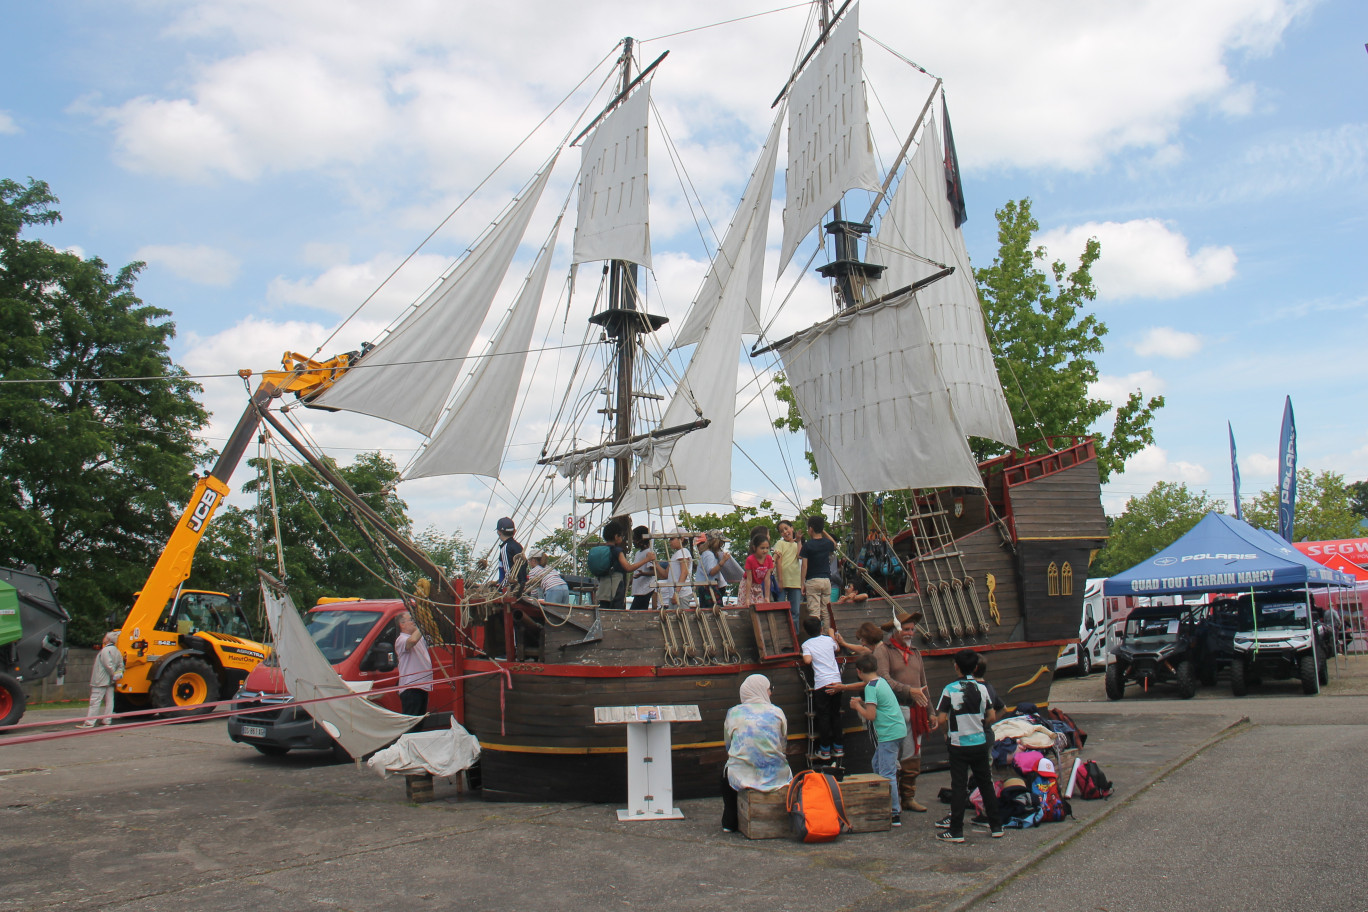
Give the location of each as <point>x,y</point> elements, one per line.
<point>357,637</point>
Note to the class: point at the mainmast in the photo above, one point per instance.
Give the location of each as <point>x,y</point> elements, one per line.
<point>623,320</point>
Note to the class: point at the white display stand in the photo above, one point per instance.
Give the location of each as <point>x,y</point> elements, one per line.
<point>650,762</point>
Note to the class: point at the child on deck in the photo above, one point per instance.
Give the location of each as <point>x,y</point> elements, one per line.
<point>819,651</point>
<point>759,566</point>
<point>880,706</point>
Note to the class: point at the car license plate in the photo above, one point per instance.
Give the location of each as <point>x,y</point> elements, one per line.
<point>253,731</point>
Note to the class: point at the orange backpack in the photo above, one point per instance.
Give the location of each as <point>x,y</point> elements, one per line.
<point>814,803</point>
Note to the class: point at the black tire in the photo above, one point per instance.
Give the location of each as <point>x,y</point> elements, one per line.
<point>1084,663</point>
<point>1324,673</point>
<point>1306,670</point>
<point>1239,677</point>
<point>271,750</point>
<point>13,701</point>
<point>1187,679</point>
<point>1116,685</point>
<point>186,684</point>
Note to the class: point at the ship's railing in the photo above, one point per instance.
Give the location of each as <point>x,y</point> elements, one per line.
<point>1040,458</point>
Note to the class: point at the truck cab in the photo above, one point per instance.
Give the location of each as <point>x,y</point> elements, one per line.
<point>357,637</point>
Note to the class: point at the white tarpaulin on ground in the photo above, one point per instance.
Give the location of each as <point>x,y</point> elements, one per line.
<point>441,753</point>
<point>357,724</point>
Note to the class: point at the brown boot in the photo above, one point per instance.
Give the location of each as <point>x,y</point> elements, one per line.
<point>908,771</point>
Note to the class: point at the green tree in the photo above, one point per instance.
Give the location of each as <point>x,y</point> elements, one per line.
<point>1044,343</point>
<point>1358,496</point>
<point>95,473</point>
<point>1150,524</point>
<point>1325,508</point>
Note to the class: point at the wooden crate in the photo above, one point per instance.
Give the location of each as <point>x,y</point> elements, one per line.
<point>763,815</point>
<point>867,802</point>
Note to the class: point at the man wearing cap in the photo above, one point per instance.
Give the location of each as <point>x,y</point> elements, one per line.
<point>900,664</point>
<point>512,564</point>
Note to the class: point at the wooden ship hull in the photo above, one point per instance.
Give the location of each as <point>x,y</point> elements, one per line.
<point>1027,558</point>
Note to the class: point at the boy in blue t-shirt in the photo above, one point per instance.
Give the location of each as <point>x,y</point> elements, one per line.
<point>880,706</point>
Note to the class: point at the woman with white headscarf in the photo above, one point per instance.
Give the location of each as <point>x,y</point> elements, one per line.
<point>756,734</point>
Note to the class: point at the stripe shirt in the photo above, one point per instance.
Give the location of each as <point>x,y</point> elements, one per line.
<point>967,703</point>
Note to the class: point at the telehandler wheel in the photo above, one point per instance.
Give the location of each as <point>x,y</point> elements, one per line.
<point>12,701</point>
<point>186,683</point>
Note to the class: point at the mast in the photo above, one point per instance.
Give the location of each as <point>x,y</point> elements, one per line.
<point>623,321</point>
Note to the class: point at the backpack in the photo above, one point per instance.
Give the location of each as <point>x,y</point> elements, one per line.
<point>1090,782</point>
<point>1080,737</point>
<point>815,804</point>
<point>600,560</point>
<point>1019,806</point>
<point>1053,806</point>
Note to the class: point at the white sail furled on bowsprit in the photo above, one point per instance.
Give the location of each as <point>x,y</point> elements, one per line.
<point>471,441</point>
<point>749,227</point>
<point>830,149</point>
<point>921,220</point>
<point>877,413</point>
<point>614,199</point>
<point>409,375</point>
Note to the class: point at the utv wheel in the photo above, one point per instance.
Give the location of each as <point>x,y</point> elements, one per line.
<point>271,750</point>
<point>187,683</point>
<point>12,701</point>
<point>1187,679</point>
<point>1324,673</point>
<point>1306,666</point>
<point>1239,678</point>
<point>1084,664</point>
<point>1116,685</point>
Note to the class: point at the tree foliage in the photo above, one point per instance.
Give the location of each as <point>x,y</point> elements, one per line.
<point>1044,342</point>
<point>1358,499</point>
<point>1150,524</point>
<point>1325,508</point>
<point>95,473</point>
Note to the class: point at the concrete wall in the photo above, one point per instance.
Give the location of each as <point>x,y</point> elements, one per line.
<point>74,685</point>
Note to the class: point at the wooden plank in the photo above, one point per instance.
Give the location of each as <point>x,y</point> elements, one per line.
<point>763,815</point>
<point>868,803</point>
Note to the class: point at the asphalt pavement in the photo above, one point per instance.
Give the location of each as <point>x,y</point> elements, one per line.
<point>1257,814</point>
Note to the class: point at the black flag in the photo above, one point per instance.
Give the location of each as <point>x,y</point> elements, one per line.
<point>954,188</point>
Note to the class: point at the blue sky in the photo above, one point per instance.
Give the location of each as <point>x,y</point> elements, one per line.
<point>272,161</point>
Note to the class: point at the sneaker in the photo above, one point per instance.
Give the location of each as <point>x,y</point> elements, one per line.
<point>897,819</point>
<point>997,834</point>
<point>948,836</point>
<point>823,754</point>
<point>981,824</point>
<point>728,830</point>
<point>86,725</point>
<point>943,823</point>
<point>838,751</point>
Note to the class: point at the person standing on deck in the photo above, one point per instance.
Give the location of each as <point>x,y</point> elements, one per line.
<point>415,667</point>
<point>786,564</point>
<point>546,579</point>
<point>647,569</point>
<point>900,664</point>
<point>679,592</point>
<point>815,568</point>
<point>512,564</point>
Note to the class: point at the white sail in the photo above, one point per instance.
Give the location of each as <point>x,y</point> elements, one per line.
<point>408,376</point>
<point>472,438</point>
<point>701,461</point>
<point>656,447</point>
<point>830,150</point>
<point>920,220</point>
<point>614,199</point>
<point>877,414</point>
<point>357,724</point>
<point>749,226</point>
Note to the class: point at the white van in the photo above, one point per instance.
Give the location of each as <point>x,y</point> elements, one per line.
<point>1090,651</point>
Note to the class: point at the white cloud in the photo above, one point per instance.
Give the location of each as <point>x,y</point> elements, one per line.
<point>1115,389</point>
<point>1258,465</point>
<point>313,84</point>
<point>342,287</point>
<point>1142,258</point>
<point>193,262</point>
<point>7,124</point>
<point>1144,470</point>
<point>1167,342</point>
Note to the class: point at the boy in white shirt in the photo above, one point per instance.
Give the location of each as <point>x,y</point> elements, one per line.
<point>819,651</point>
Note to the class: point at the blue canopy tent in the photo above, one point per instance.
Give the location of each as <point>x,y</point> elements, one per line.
<point>1222,553</point>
